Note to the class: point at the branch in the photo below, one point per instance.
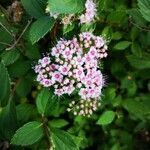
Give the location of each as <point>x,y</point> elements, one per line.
<point>15,86</point>
<point>10,33</point>
<point>46,131</point>
<point>24,30</point>
<point>5,43</point>
<point>4,11</point>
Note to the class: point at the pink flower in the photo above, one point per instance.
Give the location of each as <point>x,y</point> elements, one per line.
<point>62,46</point>
<point>75,65</point>
<point>69,89</point>
<point>105,54</point>
<point>40,78</point>
<point>88,83</point>
<point>90,12</point>
<point>79,60</point>
<point>53,67</point>
<point>64,69</point>
<point>47,82</point>
<point>58,92</point>
<point>93,63</point>
<point>57,77</point>
<point>90,5</point>
<point>99,42</point>
<point>55,52</point>
<point>79,85</point>
<point>79,73</point>
<point>37,68</point>
<point>98,81</point>
<point>83,19</point>
<point>66,81</point>
<point>67,54</point>
<point>92,52</point>
<point>45,61</point>
<point>83,93</point>
<point>87,58</point>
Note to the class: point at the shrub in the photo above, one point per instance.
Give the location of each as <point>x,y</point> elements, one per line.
<point>74,74</point>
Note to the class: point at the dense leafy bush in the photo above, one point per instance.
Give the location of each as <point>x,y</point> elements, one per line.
<point>33,117</point>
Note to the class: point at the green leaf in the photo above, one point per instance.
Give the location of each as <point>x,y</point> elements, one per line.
<point>122,45</point>
<point>139,63</point>
<point>88,27</point>
<point>144,6</point>
<point>68,28</point>
<point>23,87</point>
<point>116,101</point>
<point>40,27</point>
<point>102,5</point>
<point>6,38</point>
<point>117,68</point>
<point>63,140</point>
<point>28,134</point>
<point>65,6</point>
<point>134,33</point>
<point>130,85</point>
<point>4,84</point>
<point>32,51</point>
<point>48,104</point>
<point>24,111</point>
<point>107,33</point>
<point>136,50</point>
<point>116,36</point>
<point>115,147</point>
<point>34,7</point>
<point>140,109</point>
<point>58,123</point>
<point>117,17</point>
<point>55,108</point>
<point>78,140</point>
<point>137,17</point>
<point>106,118</point>
<point>110,94</point>
<point>8,121</point>
<point>19,68</point>
<point>9,57</point>
<point>43,101</point>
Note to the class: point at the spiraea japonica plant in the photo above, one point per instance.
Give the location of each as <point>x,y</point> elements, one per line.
<point>73,65</point>
<point>55,56</point>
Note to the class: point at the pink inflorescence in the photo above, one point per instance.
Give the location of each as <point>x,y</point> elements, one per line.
<point>74,64</point>
<point>90,12</point>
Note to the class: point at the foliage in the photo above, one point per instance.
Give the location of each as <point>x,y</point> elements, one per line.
<point>32,117</point>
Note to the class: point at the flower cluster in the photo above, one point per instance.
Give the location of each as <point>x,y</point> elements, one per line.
<point>90,12</point>
<point>87,17</point>
<point>74,64</point>
<point>96,45</point>
<point>84,107</point>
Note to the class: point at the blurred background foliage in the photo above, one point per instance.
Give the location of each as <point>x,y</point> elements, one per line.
<point>123,119</point>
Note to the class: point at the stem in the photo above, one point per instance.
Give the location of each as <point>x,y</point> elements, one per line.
<point>10,33</point>
<point>16,42</point>
<point>15,86</point>
<point>5,43</point>
<point>4,11</point>
<point>46,131</point>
